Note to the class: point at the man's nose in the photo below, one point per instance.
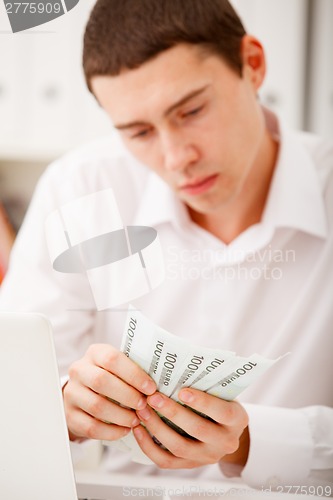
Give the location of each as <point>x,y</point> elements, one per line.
<point>178,152</point>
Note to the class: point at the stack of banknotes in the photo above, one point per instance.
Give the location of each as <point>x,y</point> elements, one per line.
<point>173,363</point>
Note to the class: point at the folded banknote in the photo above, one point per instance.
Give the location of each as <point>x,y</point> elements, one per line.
<point>174,364</point>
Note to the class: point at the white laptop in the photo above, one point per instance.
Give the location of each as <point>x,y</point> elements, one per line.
<point>35,460</point>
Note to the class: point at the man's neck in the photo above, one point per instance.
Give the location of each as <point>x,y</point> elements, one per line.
<point>247,207</point>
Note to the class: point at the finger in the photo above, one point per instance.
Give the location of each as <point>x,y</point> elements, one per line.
<point>193,424</point>
<point>178,445</point>
<point>163,458</point>
<point>105,383</point>
<point>226,413</point>
<point>82,425</point>
<point>117,362</point>
<point>99,407</point>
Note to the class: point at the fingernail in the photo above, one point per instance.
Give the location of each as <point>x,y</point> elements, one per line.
<point>135,422</point>
<point>186,396</point>
<point>148,387</point>
<point>156,401</point>
<point>144,414</point>
<point>138,433</point>
<point>142,403</point>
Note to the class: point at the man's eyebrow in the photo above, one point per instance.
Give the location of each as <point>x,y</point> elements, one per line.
<point>177,104</point>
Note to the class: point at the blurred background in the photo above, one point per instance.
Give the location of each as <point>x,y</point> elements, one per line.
<point>45,108</point>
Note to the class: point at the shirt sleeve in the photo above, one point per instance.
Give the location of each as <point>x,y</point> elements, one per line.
<point>291,447</point>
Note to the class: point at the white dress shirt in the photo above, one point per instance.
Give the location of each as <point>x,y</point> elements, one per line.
<point>269,291</point>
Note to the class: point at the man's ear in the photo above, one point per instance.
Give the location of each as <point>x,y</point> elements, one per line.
<point>253,57</point>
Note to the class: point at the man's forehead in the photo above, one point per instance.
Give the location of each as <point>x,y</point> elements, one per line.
<point>181,101</point>
<point>160,81</point>
<point>128,107</point>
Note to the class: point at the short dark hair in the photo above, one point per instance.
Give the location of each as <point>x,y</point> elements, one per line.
<point>123,34</point>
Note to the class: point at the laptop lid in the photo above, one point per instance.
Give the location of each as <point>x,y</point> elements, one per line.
<point>35,460</point>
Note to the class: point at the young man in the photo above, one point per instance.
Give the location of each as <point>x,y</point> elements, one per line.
<point>201,161</point>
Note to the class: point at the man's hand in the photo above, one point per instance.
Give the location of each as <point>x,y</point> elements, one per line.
<point>224,438</point>
<point>104,373</point>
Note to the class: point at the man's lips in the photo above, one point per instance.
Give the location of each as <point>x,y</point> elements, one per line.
<point>199,186</point>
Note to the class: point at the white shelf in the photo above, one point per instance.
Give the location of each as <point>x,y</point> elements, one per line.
<point>281,26</point>
<point>45,107</point>
<point>320,116</point>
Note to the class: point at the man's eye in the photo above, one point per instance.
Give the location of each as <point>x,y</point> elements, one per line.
<point>141,134</point>
<point>192,112</point>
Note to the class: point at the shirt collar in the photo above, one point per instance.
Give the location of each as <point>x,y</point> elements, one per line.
<point>295,198</point>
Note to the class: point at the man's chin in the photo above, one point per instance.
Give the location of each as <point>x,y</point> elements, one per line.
<point>208,206</point>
